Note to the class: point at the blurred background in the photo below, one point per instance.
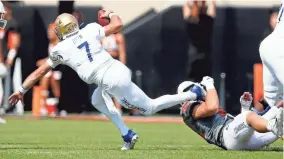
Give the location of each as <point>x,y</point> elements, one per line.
<point>163,43</point>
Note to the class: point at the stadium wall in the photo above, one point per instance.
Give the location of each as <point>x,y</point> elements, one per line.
<point>129,9</point>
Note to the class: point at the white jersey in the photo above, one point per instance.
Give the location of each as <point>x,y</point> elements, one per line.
<point>84,53</point>
<point>280,19</point>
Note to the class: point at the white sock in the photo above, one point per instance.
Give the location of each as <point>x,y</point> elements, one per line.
<point>271,114</point>
<point>167,101</point>
<point>115,118</point>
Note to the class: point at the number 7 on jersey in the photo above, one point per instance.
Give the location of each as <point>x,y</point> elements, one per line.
<point>86,45</point>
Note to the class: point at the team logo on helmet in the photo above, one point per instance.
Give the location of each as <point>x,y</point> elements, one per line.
<point>56,58</point>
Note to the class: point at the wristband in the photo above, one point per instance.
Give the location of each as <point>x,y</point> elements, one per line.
<point>23,90</point>
<point>111,14</point>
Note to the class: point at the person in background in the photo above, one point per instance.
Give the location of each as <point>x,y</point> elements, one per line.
<point>11,40</point>
<point>199,18</point>
<point>115,45</point>
<point>273,12</point>
<point>53,77</point>
<point>3,69</point>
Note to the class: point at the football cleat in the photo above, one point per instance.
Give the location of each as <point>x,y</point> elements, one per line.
<point>129,140</point>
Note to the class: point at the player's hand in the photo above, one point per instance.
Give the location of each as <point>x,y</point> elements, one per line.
<point>16,97</point>
<point>246,100</point>
<point>208,82</point>
<point>106,13</point>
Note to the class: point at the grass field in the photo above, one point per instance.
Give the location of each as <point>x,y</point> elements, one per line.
<point>66,139</point>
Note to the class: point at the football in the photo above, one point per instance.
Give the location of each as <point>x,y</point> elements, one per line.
<point>102,21</point>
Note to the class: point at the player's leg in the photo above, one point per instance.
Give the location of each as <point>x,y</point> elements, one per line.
<point>17,82</point>
<point>128,135</point>
<point>260,140</point>
<point>131,96</point>
<point>262,125</point>
<point>55,83</point>
<point>274,60</point>
<point>99,104</point>
<point>271,84</point>
<point>237,134</point>
<point>44,93</point>
<point>117,105</point>
<point>3,73</point>
<point>1,92</point>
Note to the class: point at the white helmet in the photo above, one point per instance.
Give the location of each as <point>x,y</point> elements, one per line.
<point>3,22</point>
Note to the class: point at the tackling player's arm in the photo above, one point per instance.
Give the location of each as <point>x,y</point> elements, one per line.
<point>115,24</point>
<point>211,104</point>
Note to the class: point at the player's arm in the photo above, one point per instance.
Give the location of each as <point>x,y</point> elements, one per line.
<point>36,76</point>
<point>211,104</point>
<point>41,61</point>
<point>29,83</point>
<point>115,24</point>
<point>55,58</point>
<point>121,48</point>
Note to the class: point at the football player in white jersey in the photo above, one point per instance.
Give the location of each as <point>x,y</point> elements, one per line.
<point>3,68</point>
<point>83,52</point>
<point>272,56</point>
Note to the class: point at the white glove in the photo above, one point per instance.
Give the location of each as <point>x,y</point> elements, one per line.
<point>246,100</point>
<point>208,82</point>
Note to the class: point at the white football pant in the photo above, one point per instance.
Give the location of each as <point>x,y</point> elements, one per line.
<point>272,55</point>
<point>238,135</point>
<point>117,83</point>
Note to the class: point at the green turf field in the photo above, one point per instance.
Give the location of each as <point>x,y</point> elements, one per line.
<point>66,139</point>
